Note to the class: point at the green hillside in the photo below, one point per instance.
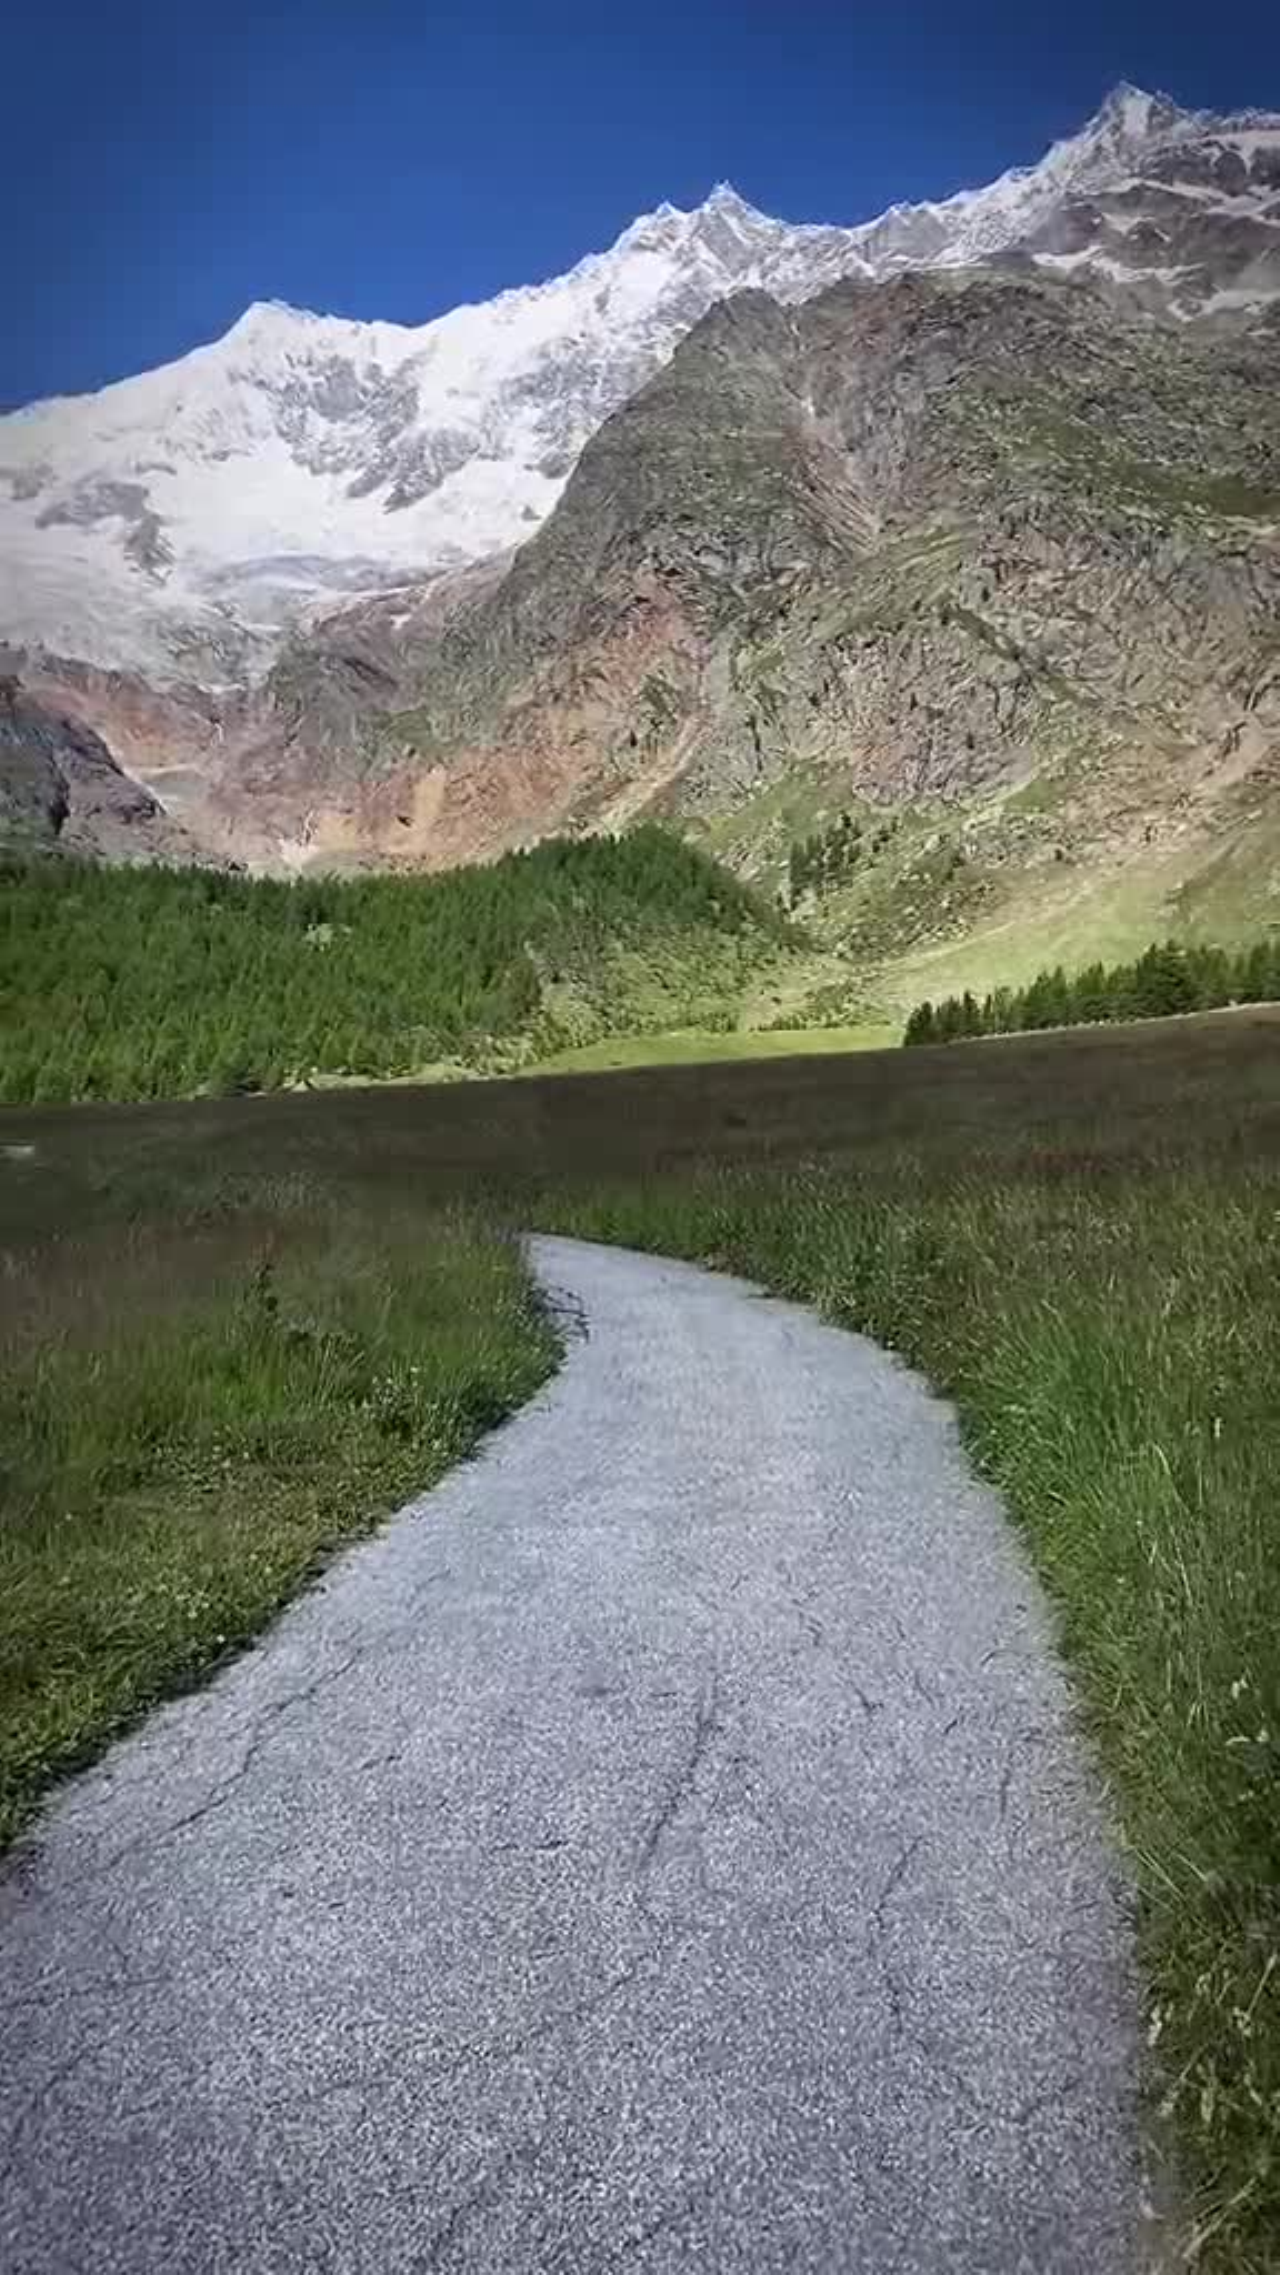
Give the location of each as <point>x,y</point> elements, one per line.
<point>928,898</point>
<point>147,983</point>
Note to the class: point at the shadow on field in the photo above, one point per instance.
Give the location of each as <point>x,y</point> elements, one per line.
<point>1179,1088</point>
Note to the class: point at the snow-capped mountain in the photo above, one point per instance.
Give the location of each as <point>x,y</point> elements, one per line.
<point>174,524</point>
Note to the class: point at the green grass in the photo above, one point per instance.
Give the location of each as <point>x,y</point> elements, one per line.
<point>1237,888</point>
<point>705,1047</point>
<point>200,1398</point>
<point>1056,918</point>
<point>1110,1335</point>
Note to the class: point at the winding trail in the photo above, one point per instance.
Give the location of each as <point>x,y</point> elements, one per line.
<point>664,1847</point>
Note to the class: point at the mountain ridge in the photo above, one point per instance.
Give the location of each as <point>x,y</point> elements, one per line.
<point>933,580</point>
<point>380,454</point>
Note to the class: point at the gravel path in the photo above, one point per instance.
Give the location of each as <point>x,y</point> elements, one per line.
<point>664,1847</point>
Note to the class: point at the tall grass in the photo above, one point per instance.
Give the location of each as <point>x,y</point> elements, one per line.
<point>197,1405</point>
<point>1111,1338</point>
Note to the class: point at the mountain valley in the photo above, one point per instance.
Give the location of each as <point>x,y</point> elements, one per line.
<point>964,524</point>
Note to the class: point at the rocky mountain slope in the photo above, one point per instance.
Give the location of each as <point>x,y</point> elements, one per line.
<point>176,523</point>
<point>980,541</point>
<point>61,789</point>
<point>934,540</point>
<point>926,540</point>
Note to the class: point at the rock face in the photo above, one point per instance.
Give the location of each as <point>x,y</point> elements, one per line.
<point>60,789</point>
<point>925,538</point>
<point>274,773</point>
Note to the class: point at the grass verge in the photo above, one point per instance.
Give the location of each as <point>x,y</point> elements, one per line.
<point>704,1046</point>
<point>1110,1333</point>
<point>201,1396</point>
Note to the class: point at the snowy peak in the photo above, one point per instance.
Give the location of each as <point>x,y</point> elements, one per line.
<point>722,203</point>
<point>271,319</point>
<point>725,231</point>
<point>725,199</point>
<point>178,522</point>
<point>726,209</point>
<point>1130,114</point>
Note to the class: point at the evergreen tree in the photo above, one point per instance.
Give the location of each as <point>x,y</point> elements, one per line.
<point>189,980</point>
<point>1257,976</point>
<point>1000,1018</point>
<point>1162,982</point>
<point>1091,994</point>
<point>1167,978</point>
<point>1046,1001</point>
<point>921,1027</point>
<point>970,1014</point>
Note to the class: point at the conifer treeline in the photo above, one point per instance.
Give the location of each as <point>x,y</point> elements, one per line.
<point>1167,977</point>
<point>148,983</point>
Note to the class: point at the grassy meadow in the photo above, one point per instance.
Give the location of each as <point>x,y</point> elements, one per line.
<point>704,1046</point>
<point>237,1329</point>
<point>205,1386</point>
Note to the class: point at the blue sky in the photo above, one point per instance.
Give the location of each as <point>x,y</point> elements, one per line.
<point>162,166</point>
